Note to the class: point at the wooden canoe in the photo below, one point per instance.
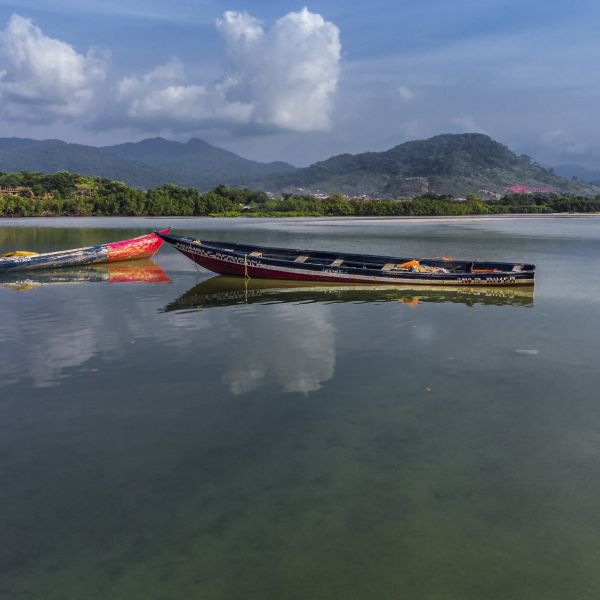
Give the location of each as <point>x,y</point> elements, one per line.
<point>226,258</point>
<point>144,246</point>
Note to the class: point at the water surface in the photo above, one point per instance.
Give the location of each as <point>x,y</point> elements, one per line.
<point>177,438</point>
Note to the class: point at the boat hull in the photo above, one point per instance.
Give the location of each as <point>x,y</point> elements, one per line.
<point>242,260</point>
<point>141,247</point>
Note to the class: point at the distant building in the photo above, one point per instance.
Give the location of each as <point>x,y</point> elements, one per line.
<point>24,192</point>
<point>489,195</point>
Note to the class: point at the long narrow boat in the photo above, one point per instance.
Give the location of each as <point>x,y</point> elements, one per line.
<point>265,262</point>
<point>144,246</point>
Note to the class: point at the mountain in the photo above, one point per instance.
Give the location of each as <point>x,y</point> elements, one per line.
<point>198,161</point>
<point>456,164</point>
<point>49,156</point>
<point>13,143</point>
<point>581,173</point>
<point>145,164</point>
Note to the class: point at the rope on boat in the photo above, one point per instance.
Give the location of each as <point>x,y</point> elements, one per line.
<point>246,267</point>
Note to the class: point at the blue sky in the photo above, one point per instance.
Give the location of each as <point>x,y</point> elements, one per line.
<point>273,81</point>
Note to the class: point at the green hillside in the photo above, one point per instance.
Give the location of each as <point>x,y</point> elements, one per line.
<point>196,162</point>
<point>456,164</point>
<point>146,164</point>
<point>30,194</point>
<point>50,156</point>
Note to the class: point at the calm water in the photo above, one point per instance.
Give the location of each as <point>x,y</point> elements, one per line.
<point>174,438</point>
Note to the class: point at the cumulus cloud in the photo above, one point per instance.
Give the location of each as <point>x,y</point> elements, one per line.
<point>42,78</point>
<point>290,72</point>
<point>284,77</point>
<point>163,97</point>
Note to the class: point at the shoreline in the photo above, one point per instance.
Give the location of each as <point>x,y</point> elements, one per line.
<point>324,218</point>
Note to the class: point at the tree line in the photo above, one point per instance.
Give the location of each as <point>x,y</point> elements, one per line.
<point>69,194</point>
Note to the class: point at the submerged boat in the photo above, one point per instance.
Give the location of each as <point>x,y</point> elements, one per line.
<point>136,248</point>
<point>220,291</point>
<point>226,258</point>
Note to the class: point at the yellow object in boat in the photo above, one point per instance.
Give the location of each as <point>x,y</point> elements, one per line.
<point>17,253</point>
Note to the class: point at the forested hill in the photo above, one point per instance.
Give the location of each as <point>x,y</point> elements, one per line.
<point>51,156</point>
<point>146,164</point>
<point>200,163</point>
<point>456,164</point>
<point>35,194</point>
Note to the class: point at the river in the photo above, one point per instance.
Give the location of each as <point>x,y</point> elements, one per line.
<point>168,435</point>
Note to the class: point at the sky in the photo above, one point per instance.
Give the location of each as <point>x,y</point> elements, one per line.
<point>303,81</point>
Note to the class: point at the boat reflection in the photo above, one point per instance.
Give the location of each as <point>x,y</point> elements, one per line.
<point>137,271</point>
<point>228,291</point>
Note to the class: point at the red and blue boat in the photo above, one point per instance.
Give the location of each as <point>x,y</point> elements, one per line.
<point>144,246</point>
<point>226,258</point>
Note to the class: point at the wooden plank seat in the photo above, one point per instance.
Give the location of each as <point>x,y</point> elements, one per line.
<point>301,259</point>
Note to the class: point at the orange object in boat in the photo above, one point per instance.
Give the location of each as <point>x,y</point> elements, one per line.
<point>410,264</point>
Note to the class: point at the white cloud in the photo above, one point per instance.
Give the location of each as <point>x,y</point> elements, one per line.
<point>405,93</point>
<point>240,30</point>
<point>466,124</point>
<point>284,78</point>
<point>289,73</point>
<point>42,78</point>
<point>162,96</point>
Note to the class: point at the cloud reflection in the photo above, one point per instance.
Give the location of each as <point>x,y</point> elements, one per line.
<point>292,345</point>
